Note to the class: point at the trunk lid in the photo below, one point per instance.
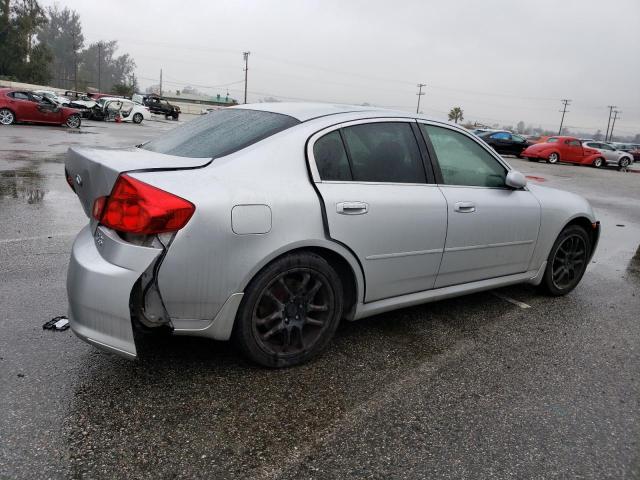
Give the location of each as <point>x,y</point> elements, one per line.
<point>92,172</point>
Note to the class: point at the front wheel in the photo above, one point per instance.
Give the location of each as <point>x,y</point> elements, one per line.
<point>73,121</point>
<point>290,311</point>
<point>567,261</point>
<point>137,118</point>
<point>6,116</point>
<point>554,158</point>
<point>598,162</point>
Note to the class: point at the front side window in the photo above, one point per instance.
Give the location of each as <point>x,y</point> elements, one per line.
<point>331,157</point>
<point>462,161</point>
<point>518,138</point>
<point>552,140</point>
<point>220,133</point>
<point>384,152</point>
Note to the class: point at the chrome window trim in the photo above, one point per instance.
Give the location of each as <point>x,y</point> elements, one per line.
<point>315,174</point>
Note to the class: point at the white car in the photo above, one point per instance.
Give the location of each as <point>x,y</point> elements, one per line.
<point>108,108</point>
<point>612,156</point>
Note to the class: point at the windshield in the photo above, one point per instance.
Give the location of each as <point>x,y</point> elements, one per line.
<point>220,133</point>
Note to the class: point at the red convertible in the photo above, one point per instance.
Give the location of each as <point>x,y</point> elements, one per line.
<point>564,149</point>
<point>26,106</point>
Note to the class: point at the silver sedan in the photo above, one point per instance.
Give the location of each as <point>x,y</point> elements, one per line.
<point>270,223</point>
<point>612,156</point>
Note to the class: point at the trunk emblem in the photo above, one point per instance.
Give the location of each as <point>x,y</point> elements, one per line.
<point>79,180</point>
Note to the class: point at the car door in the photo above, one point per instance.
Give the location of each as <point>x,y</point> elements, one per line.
<point>609,153</point>
<point>24,109</point>
<point>492,229</point>
<point>518,144</point>
<point>381,203</point>
<point>572,151</point>
<point>501,142</point>
<point>46,111</point>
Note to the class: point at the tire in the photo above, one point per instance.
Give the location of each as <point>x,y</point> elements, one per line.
<point>598,162</point>
<point>174,116</point>
<point>624,163</point>
<point>73,121</point>
<point>7,117</point>
<point>137,118</point>
<point>553,158</point>
<point>290,311</point>
<point>568,260</point>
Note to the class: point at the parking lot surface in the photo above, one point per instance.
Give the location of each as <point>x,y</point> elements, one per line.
<point>503,384</point>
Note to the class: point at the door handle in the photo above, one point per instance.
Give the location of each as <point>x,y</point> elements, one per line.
<point>352,208</point>
<point>465,207</point>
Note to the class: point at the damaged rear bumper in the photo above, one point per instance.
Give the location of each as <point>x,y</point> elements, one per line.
<point>102,272</point>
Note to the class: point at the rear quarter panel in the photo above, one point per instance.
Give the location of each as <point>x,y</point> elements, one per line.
<point>207,261</point>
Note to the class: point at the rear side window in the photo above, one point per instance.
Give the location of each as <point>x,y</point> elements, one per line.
<point>462,161</point>
<point>384,152</point>
<point>331,157</point>
<point>220,133</point>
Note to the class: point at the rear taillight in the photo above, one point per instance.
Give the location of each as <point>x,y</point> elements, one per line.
<point>137,207</point>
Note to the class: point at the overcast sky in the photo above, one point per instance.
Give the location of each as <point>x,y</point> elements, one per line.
<point>500,60</point>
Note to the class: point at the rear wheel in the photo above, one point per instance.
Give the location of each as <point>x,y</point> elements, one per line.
<point>598,162</point>
<point>73,121</point>
<point>554,158</point>
<point>137,118</point>
<point>290,311</point>
<point>624,163</point>
<point>6,116</point>
<point>567,261</point>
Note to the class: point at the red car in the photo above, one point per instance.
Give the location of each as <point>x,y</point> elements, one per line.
<point>563,149</point>
<point>26,106</point>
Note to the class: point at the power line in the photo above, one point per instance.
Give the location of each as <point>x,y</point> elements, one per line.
<point>420,93</point>
<point>566,102</point>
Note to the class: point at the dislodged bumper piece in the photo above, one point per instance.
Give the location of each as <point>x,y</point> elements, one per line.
<point>102,273</point>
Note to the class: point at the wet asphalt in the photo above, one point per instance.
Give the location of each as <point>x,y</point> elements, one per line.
<point>474,387</point>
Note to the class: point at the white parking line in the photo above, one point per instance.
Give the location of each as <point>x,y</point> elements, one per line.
<point>511,300</point>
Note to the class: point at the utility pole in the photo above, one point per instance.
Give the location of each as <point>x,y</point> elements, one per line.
<point>611,107</point>
<point>160,82</point>
<point>99,65</point>
<point>615,116</point>
<point>75,61</point>
<point>566,102</point>
<point>246,69</point>
<point>419,94</point>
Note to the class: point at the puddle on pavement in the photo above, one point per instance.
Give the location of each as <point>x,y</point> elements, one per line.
<point>22,183</point>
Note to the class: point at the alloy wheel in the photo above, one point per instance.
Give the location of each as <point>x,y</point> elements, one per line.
<point>73,121</point>
<point>553,158</point>
<point>569,261</point>
<point>6,117</point>
<point>292,312</point>
<point>624,163</point>
<point>598,162</point>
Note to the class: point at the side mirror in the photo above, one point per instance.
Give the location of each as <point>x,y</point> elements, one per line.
<point>515,180</point>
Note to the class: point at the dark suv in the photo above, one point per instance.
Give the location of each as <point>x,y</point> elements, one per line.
<point>159,105</point>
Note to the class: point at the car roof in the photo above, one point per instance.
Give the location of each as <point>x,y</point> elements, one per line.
<point>304,111</point>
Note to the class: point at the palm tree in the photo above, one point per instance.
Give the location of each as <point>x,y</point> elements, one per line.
<point>456,114</point>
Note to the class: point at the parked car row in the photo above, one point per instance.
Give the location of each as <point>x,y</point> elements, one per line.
<point>572,150</point>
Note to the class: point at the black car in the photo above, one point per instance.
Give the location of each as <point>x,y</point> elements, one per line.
<point>506,143</point>
<point>159,105</point>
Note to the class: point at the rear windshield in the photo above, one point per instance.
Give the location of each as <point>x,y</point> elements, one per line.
<point>220,133</point>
